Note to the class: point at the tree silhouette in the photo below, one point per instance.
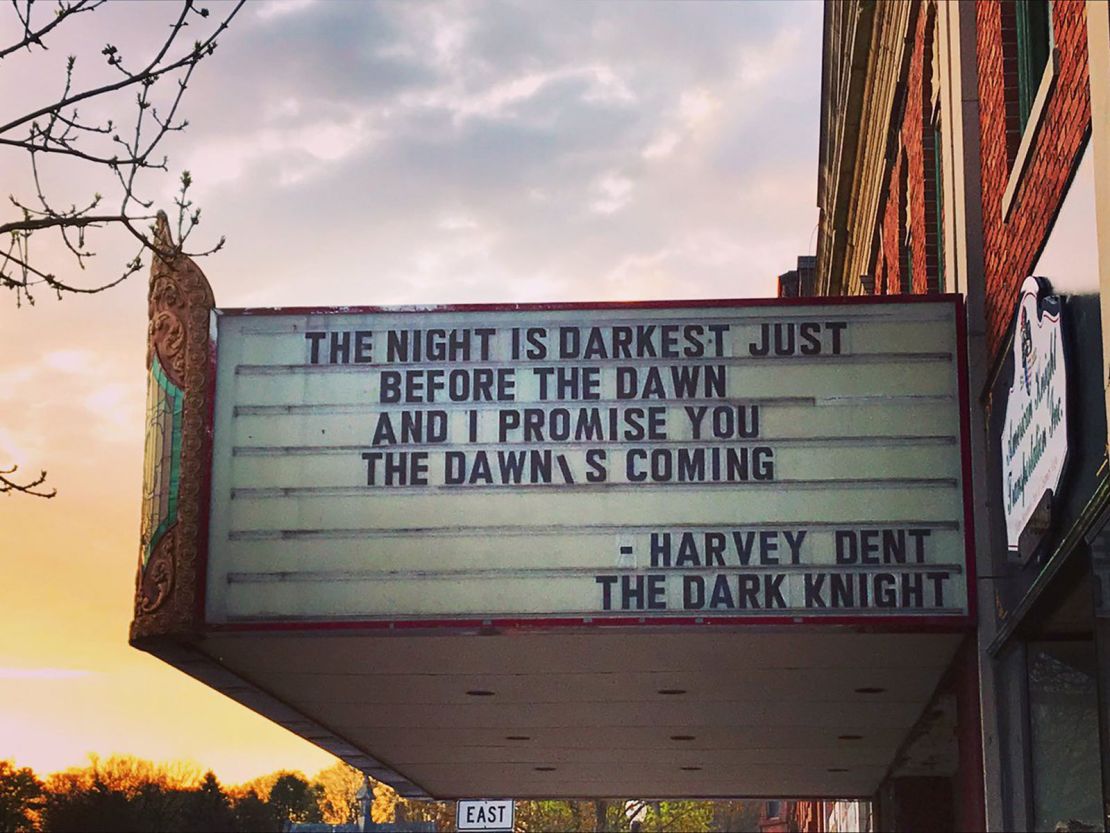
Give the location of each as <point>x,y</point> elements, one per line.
<point>209,807</point>
<point>20,798</point>
<point>253,814</point>
<point>293,798</point>
<point>94,807</point>
<point>337,788</point>
<point>122,793</point>
<point>132,795</point>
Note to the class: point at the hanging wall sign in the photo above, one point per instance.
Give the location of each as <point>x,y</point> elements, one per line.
<point>1035,437</point>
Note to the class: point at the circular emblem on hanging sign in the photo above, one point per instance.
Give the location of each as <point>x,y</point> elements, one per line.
<point>1028,353</point>
<point>1034,442</point>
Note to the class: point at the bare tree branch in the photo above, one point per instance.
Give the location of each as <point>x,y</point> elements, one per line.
<point>152,71</point>
<point>33,37</point>
<point>145,100</point>
<point>8,486</point>
<point>76,221</point>
<point>56,129</point>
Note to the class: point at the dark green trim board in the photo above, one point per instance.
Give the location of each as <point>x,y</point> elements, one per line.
<point>1033,19</point>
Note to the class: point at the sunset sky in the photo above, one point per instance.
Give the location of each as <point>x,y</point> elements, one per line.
<point>367,154</point>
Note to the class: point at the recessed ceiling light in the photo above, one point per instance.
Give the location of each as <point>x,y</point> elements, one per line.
<point>870,690</point>
<point>672,691</point>
<point>690,768</point>
<point>836,769</point>
<point>849,737</point>
<point>479,692</point>
<point>682,737</point>
<point>517,737</point>
<point>544,768</point>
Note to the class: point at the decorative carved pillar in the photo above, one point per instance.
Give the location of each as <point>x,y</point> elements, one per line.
<point>177,460</point>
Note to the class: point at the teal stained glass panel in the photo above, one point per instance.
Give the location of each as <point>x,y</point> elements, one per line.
<point>165,404</point>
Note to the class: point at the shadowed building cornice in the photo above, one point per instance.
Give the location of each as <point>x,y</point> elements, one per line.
<point>863,68</point>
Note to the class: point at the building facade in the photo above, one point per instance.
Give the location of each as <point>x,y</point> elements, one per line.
<point>965,147</point>
<point>801,281</point>
<point>815,817</point>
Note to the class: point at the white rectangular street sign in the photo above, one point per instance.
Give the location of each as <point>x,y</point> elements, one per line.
<point>484,814</point>
<point>773,461</point>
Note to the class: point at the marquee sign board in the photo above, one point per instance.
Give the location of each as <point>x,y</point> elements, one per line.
<point>683,462</point>
<point>1035,435</point>
<point>410,535</point>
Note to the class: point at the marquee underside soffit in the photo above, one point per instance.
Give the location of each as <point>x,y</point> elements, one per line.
<point>607,713</point>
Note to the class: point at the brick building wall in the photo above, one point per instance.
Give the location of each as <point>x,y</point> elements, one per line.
<point>915,118</point>
<point>888,279</point>
<point>801,281</point>
<point>909,200</point>
<point>1012,243</point>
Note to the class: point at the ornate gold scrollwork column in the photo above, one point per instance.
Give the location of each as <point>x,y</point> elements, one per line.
<point>177,460</point>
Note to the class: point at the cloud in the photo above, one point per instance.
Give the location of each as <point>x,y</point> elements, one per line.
<point>68,361</point>
<point>116,408</point>
<point>9,673</point>
<point>692,115</point>
<point>697,106</point>
<point>613,192</point>
<point>288,154</point>
<point>662,145</point>
<point>281,8</point>
<point>457,222</point>
<point>16,450</point>
<point>69,395</point>
<point>760,63</point>
<point>384,153</point>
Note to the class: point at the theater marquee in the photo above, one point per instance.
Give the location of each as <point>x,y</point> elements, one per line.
<point>563,550</point>
<point>663,460</point>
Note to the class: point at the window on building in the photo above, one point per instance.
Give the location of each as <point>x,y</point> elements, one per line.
<point>905,231</point>
<point>1063,718</point>
<point>1027,41</point>
<point>934,205</point>
<point>907,260</point>
<point>1033,30</point>
<point>932,175</point>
